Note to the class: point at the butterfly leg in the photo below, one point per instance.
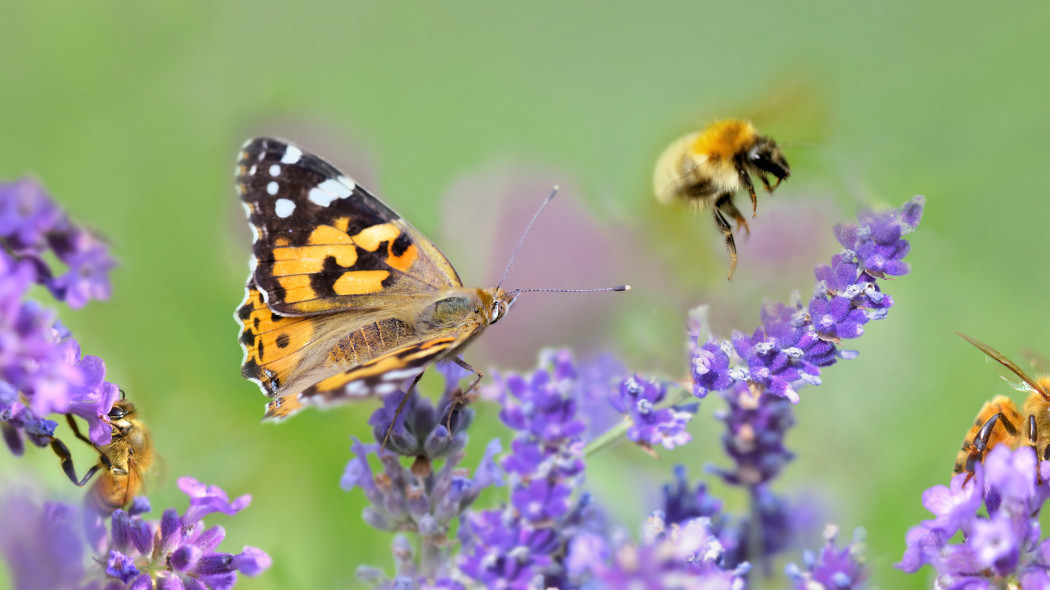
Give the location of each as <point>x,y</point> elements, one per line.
<point>727,231</point>
<point>400,407</point>
<point>463,398</point>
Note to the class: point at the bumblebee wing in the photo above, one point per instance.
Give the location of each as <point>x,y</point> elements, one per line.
<point>1030,384</point>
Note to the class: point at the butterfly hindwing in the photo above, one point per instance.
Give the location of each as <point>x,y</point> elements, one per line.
<point>380,376</point>
<point>324,244</point>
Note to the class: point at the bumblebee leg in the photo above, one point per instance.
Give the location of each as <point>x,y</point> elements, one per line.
<point>400,407</point>
<point>729,208</point>
<point>745,178</point>
<point>1032,438</point>
<point>727,231</point>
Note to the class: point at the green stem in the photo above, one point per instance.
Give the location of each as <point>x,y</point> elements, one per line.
<point>613,434</point>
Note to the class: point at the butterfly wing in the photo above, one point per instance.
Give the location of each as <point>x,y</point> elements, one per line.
<point>380,376</point>
<point>324,244</point>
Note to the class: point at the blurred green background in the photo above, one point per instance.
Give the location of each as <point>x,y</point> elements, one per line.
<point>462,115</point>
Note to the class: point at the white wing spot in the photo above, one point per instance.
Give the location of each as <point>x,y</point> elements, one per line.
<point>356,388</point>
<point>275,170</point>
<point>330,190</point>
<point>292,155</point>
<point>262,156</point>
<point>400,375</point>
<point>271,188</point>
<point>283,207</point>
<point>385,388</point>
<point>251,171</point>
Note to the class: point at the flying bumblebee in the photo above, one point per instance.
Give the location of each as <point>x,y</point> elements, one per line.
<point>1000,423</point>
<point>706,168</point>
<point>122,462</point>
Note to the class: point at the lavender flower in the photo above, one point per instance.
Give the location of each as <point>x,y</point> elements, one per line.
<point>650,426</point>
<point>31,224</point>
<point>41,369</point>
<point>419,499</point>
<point>685,556</point>
<point>999,548</point>
<point>548,534</point>
<point>754,436</point>
<point>47,545</point>
<point>794,341</point>
<point>832,568</point>
<point>525,542</point>
<point>421,431</point>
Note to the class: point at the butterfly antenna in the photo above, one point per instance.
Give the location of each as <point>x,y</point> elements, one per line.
<point>616,288</point>
<point>554,191</point>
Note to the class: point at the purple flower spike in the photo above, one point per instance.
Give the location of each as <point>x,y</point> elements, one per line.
<point>41,544</point>
<point>27,215</point>
<point>650,426</point>
<point>206,499</point>
<point>683,556</point>
<point>841,569</point>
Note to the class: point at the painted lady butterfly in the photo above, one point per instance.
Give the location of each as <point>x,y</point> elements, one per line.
<point>345,299</point>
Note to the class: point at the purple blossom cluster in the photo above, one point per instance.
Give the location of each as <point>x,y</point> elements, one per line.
<point>650,425</point>
<point>46,545</point>
<point>32,225</point>
<point>524,542</point>
<point>42,371</point>
<point>795,340</point>
<point>832,567</point>
<point>419,499</point>
<point>996,510</point>
<point>686,556</point>
<point>549,532</point>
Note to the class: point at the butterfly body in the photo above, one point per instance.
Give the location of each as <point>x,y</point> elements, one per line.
<point>345,299</point>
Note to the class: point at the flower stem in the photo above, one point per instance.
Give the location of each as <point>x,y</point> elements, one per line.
<point>613,434</point>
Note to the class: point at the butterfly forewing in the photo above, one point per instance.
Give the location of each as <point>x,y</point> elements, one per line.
<point>345,299</point>
<point>324,244</point>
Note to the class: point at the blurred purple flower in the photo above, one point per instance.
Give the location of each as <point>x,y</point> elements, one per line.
<point>46,547</point>
<point>27,216</point>
<point>685,556</point>
<point>1000,547</point>
<point>41,369</point>
<point>840,569</point>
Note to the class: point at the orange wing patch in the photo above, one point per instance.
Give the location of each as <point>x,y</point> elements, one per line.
<point>272,343</point>
<point>360,282</point>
